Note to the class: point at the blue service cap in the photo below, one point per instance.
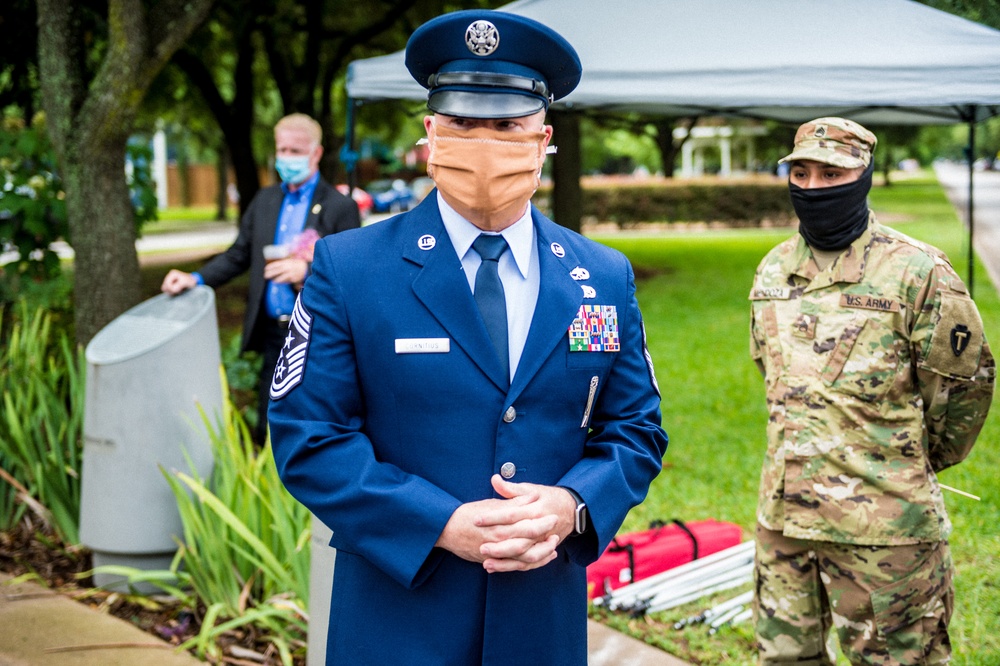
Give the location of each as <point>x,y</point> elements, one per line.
<point>489,64</point>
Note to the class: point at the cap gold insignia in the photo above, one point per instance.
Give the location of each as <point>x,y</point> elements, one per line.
<point>482,38</point>
<point>316,209</point>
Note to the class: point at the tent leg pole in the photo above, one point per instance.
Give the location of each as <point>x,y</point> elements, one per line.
<point>348,155</point>
<point>971,160</point>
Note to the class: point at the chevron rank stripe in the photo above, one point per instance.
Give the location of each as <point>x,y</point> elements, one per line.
<point>292,362</point>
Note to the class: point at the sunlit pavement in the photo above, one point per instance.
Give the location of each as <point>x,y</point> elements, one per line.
<point>986,211</point>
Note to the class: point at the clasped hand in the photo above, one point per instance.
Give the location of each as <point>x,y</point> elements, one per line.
<point>517,533</point>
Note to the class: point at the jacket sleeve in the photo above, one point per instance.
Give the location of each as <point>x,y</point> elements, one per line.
<point>955,369</point>
<point>236,259</point>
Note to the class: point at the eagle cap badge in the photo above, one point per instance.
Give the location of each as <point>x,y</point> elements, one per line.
<point>482,38</point>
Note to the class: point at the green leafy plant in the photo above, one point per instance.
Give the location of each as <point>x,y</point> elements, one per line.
<point>41,424</point>
<point>32,205</point>
<point>244,560</point>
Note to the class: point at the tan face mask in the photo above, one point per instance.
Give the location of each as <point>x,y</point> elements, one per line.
<point>486,175</point>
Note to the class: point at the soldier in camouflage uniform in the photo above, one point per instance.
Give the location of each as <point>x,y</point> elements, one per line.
<point>878,376</point>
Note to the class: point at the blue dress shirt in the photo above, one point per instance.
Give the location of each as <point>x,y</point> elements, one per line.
<point>279,299</point>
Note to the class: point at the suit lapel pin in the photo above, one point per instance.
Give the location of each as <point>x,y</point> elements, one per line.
<point>426,242</point>
<point>316,209</point>
<point>588,291</point>
<point>558,250</point>
<point>579,273</point>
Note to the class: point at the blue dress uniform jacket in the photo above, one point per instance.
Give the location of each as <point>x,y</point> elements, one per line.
<point>384,446</point>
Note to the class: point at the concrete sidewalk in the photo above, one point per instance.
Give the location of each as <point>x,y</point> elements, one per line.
<point>44,628</point>
<point>954,178</point>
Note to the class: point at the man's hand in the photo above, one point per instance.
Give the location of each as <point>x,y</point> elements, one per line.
<point>518,533</point>
<point>286,271</point>
<point>177,281</point>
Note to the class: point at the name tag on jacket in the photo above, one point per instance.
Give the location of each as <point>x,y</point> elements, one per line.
<point>423,345</point>
<point>867,302</point>
<point>770,293</point>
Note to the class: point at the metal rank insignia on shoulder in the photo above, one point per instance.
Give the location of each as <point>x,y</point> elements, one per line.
<point>595,329</point>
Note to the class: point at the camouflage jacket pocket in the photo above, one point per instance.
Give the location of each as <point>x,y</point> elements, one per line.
<point>910,611</point>
<point>864,360</point>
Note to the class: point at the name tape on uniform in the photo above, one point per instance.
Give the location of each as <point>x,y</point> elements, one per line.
<point>423,345</point>
<point>770,293</point>
<point>868,302</point>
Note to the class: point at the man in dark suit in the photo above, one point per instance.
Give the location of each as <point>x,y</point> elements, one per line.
<point>465,397</point>
<point>282,221</point>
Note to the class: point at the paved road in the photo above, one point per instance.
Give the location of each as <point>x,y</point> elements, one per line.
<point>986,214</point>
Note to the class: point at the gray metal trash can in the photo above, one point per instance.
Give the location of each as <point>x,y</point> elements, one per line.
<point>148,371</point>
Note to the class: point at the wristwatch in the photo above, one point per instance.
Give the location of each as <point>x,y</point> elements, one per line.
<point>580,518</point>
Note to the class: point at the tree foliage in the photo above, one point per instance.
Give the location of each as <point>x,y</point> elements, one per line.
<point>256,60</point>
<point>32,206</point>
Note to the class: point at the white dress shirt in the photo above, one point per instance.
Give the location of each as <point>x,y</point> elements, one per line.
<point>518,270</point>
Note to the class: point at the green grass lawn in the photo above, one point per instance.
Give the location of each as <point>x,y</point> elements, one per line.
<point>696,311</point>
<point>180,218</point>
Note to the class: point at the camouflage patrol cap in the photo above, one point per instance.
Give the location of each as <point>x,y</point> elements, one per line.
<point>835,141</point>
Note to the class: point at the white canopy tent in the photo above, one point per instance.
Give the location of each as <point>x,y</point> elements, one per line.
<point>878,62</point>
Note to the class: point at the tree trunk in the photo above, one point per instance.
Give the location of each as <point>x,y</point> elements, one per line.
<point>90,120</point>
<point>222,182</point>
<point>567,197</point>
<point>102,233</point>
<point>666,144</point>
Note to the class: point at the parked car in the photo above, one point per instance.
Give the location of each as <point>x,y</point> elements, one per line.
<point>362,198</point>
<point>390,196</point>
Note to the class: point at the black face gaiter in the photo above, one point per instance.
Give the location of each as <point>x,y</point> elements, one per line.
<point>831,218</point>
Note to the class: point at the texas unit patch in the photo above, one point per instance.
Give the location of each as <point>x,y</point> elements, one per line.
<point>292,362</point>
<point>595,329</point>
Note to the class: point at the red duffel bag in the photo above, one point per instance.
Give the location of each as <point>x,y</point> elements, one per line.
<point>636,555</point>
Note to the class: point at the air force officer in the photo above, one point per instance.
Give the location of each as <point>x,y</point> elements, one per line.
<point>465,395</point>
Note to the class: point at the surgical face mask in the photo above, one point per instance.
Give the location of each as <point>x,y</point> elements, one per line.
<point>486,175</point>
<point>831,218</point>
<point>293,170</point>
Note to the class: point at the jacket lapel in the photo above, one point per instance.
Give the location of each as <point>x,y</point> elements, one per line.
<point>442,287</point>
<point>315,206</point>
<point>559,300</point>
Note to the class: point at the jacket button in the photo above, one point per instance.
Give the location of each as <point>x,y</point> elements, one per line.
<point>510,415</point>
<point>507,470</point>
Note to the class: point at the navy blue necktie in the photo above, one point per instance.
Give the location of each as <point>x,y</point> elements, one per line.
<point>489,293</point>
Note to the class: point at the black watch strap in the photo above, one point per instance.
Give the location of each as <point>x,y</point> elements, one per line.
<point>581,519</point>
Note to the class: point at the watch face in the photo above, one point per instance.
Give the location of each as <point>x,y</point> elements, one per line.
<point>580,522</point>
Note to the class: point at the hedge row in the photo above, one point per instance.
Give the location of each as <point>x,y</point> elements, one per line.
<point>739,204</point>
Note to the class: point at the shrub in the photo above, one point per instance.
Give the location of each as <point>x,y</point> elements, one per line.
<point>244,561</point>
<point>41,425</point>
<point>736,203</point>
